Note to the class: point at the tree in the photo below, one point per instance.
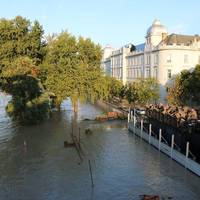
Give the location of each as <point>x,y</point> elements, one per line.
<point>185,88</point>
<point>19,38</point>
<point>21,51</point>
<point>175,91</point>
<point>195,84</point>
<point>143,91</point>
<point>72,69</point>
<point>115,87</point>
<point>29,104</point>
<point>60,66</point>
<point>131,93</point>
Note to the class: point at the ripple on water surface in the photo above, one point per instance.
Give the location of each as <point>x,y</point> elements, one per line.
<point>123,166</point>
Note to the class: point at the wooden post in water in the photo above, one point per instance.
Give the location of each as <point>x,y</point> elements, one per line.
<point>160,138</point>
<point>149,133</point>
<point>128,117</point>
<point>187,153</point>
<point>141,128</point>
<point>72,129</point>
<point>90,169</point>
<point>172,145</point>
<point>131,115</point>
<point>134,118</point>
<point>79,135</point>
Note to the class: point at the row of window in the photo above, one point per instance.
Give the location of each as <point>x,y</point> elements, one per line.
<point>137,72</point>
<point>185,59</point>
<point>117,60</point>
<point>138,60</point>
<point>135,61</point>
<point>134,73</point>
<point>117,72</point>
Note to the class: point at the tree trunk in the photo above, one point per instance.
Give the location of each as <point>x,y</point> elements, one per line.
<point>75,106</point>
<point>57,104</point>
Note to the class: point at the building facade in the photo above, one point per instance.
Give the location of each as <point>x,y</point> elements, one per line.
<point>161,56</point>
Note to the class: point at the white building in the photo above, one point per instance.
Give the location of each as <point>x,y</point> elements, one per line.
<point>162,56</point>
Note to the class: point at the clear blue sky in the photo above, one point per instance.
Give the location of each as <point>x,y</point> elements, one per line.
<point>114,22</point>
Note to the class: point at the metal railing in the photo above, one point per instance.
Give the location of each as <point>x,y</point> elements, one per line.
<point>135,125</point>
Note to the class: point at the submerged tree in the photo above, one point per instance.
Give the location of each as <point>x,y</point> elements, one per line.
<point>72,69</point>
<point>21,51</point>
<point>29,104</point>
<point>60,65</point>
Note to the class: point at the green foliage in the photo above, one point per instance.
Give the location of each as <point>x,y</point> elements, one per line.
<point>21,51</point>
<point>60,66</point>
<point>72,69</point>
<point>143,91</point>
<point>29,103</point>
<point>123,91</point>
<point>185,88</point>
<point>132,93</point>
<point>115,87</point>
<point>30,112</point>
<point>175,91</point>
<point>19,38</point>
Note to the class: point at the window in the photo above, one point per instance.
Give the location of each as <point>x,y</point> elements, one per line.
<point>169,59</point>
<point>185,58</point>
<point>147,72</point>
<point>147,59</point>
<point>133,73</point>
<point>132,62</point>
<point>169,73</point>
<point>155,73</point>
<point>136,73</point>
<point>156,59</point>
<point>139,73</point>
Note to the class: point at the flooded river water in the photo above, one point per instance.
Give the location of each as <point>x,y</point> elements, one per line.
<point>34,165</point>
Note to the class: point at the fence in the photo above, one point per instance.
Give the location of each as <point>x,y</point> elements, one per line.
<point>169,150</point>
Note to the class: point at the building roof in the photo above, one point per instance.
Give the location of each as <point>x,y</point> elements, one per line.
<point>156,28</point>
<point>180,39</point>
<point>140,47</point>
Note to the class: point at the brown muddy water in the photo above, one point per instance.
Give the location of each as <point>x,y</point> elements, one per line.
<point>123,165</point>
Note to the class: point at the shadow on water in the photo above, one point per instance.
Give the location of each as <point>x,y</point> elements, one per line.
<point>123,166</point>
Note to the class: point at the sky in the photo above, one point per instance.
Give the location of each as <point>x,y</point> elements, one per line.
<point>113,22</point>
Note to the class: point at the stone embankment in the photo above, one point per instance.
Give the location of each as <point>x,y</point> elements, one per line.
<point>111,111</point>
<point>111,116</point>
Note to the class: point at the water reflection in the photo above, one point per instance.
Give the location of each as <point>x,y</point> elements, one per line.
<point>124,166</point>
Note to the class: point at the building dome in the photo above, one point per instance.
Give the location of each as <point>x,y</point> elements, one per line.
<point>156,28</point>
